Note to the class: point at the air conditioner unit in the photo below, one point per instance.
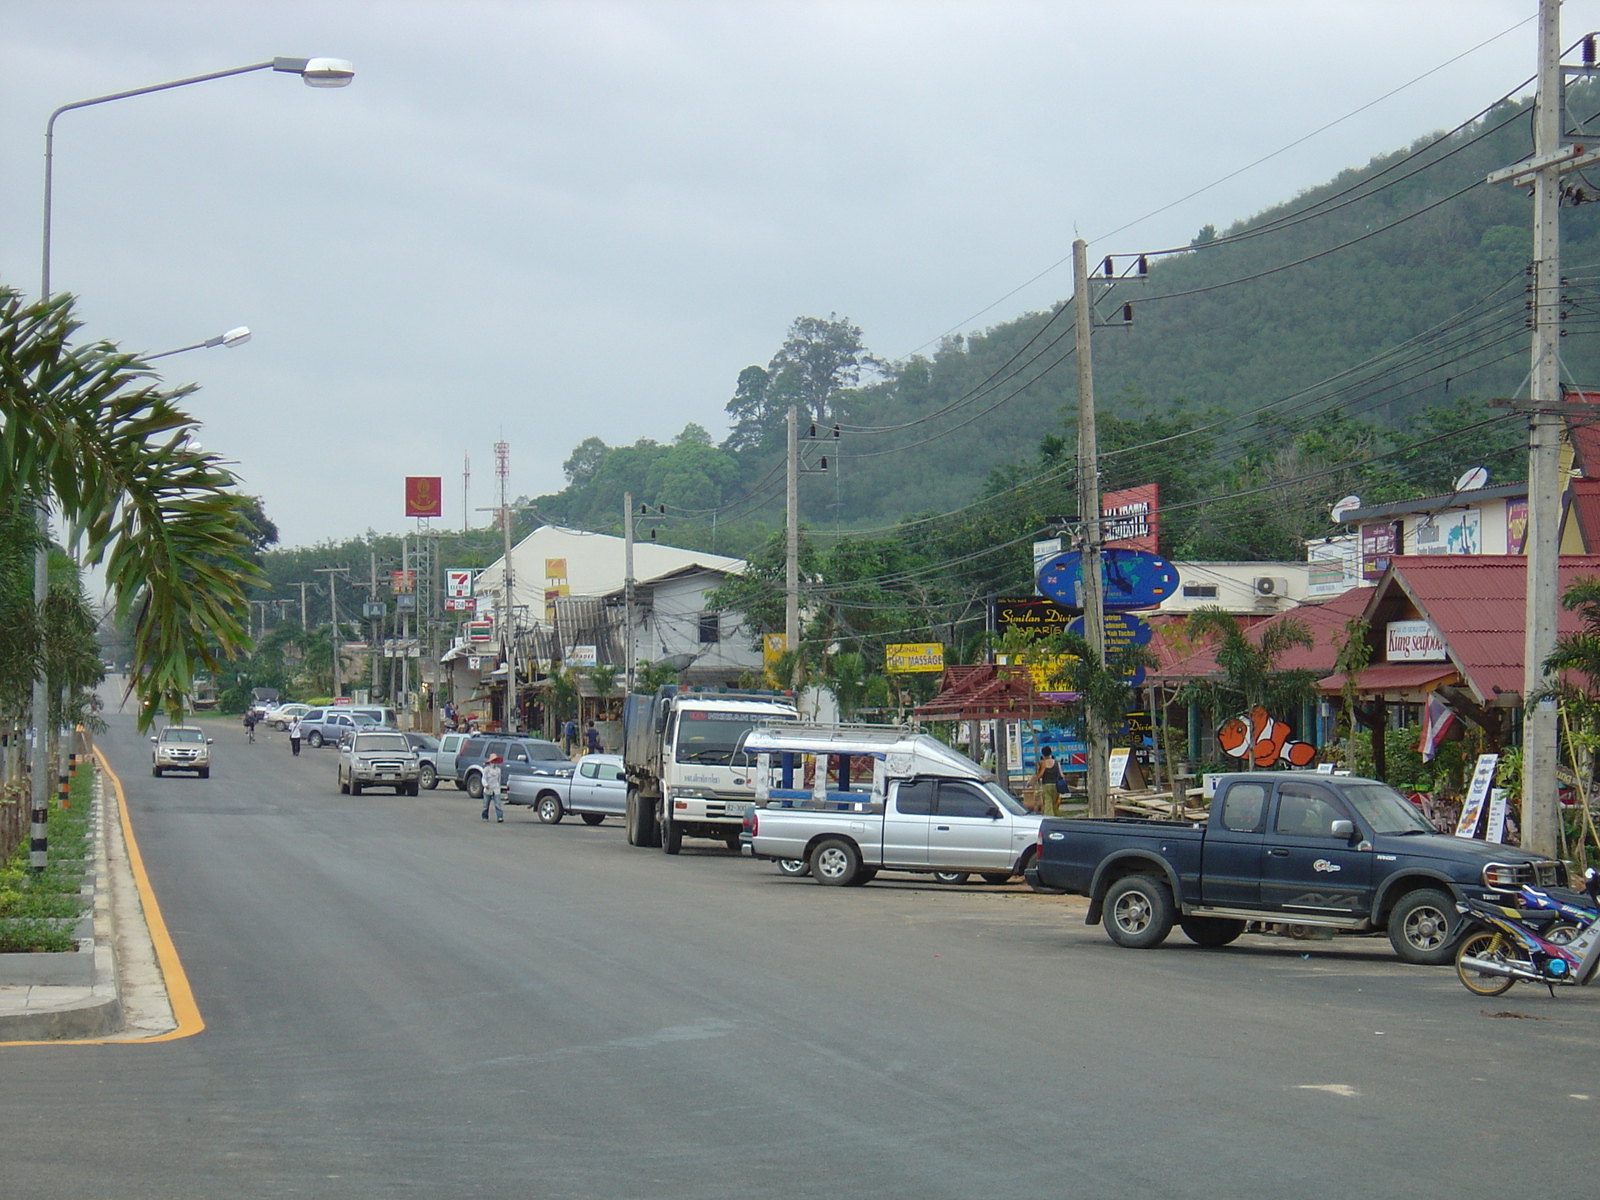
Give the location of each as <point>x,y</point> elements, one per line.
<point>1269,587</point>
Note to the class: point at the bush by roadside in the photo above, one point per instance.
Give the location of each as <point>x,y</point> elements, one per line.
<point>38,912</point>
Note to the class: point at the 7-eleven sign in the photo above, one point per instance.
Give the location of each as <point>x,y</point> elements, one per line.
<point>458,584</point>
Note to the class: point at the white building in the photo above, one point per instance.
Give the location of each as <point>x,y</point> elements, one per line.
<point>567,592</point>
<point>1239,587</point>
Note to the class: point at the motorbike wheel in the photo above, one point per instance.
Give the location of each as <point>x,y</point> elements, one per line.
<point>1496,947</point>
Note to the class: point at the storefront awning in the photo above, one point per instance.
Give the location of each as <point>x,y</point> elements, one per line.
<point>1395,677</point>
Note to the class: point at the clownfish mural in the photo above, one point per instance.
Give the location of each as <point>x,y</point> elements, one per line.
<point>1263,740</point>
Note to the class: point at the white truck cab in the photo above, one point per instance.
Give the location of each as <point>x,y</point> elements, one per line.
<point>688,772</point>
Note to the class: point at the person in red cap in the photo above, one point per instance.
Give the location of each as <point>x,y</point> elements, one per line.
<point>491,787</point>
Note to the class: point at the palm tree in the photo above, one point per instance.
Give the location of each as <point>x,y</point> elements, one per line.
<point>1250,674</point>
<point>90,427</point>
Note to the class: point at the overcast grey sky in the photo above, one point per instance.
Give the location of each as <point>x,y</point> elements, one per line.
<point>556,220</point>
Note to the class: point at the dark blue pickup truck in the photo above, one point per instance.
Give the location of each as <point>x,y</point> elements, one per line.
<point>1334,853</point>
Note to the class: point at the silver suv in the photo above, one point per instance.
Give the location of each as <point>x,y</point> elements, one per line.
<point>379,759</point>
<point>181,748</point>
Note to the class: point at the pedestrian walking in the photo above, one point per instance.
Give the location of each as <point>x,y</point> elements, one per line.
<point>591,739</point>
<point>491,788</point>
<point>250,720</point>
<point>1047,783</point>
<point>294,736</point>
<point>569,733</point>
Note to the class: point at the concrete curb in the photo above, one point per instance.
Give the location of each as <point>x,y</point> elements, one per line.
<point>51,1013</point>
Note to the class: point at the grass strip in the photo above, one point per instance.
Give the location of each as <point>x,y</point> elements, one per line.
<point>38,912</point>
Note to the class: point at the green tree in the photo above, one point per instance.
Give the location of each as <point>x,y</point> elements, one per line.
<point>1249,667</point>
<point>86,425</point>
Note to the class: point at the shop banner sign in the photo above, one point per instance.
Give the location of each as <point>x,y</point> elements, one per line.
<point>913,657</point>
<point>1413,641</point>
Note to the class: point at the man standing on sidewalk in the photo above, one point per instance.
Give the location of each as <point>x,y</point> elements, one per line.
<point>491,788</point>
<point>294,735</point>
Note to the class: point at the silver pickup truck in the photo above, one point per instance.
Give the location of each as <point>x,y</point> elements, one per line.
<point>919,806</point>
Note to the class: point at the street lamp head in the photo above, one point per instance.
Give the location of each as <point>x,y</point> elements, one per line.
<point>236,337</point>
<point>327,72</point>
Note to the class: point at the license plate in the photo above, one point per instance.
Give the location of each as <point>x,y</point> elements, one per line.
<point>388,775</point>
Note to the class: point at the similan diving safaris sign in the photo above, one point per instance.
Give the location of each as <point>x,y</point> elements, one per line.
<point>912,657</point>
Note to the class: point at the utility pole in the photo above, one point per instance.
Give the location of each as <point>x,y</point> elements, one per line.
<point>1097,736</point>
<point>628,653</point>
<point>376,623</point>
<point>1541,818</point>
<point>791,561</point>
<point>502,466</point>
<point>303,585</point>
<point>333,607</point>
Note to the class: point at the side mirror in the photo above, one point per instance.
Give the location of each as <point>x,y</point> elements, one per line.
<point>210,740</point>
<point>995,814</point>
<point>152,737</point>
<point>1342,828</point>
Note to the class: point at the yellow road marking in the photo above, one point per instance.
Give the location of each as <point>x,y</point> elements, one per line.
<point>179,994</point>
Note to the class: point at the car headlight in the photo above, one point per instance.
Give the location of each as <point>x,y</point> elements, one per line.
<point>688,794</point>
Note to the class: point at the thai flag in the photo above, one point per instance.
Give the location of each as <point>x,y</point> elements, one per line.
<point>1437,717</point>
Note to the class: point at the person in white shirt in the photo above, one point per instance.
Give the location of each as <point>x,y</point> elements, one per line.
<point>294,736</point>
<point>491,787</point>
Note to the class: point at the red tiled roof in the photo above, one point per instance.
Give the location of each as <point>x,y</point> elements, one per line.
<point>1181,660</point>
<point>1477,604</point>
<point>1585,499</point>
<point>979,692</point>
<point>1585,434</point>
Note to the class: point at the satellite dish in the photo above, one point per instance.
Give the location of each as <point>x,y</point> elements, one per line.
<point>1472,480</point>
<point>1343,507</point>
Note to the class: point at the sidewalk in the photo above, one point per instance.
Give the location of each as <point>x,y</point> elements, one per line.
<point>125,996</point>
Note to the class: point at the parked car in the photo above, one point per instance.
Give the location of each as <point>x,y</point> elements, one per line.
<point>522,755</point>
<point>427,750</point>
<point>595,791</point>
<point>280,717</point>
<point>325,726</point>
<point>181,748</point>
<point>380,758</point>
<point>444,761</point>
<point>1336,853</point>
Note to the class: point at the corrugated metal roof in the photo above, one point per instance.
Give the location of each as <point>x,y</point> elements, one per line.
<point>1396,677</point>
<point>1476,602</point>
<point>1585,498</point>
<point>1326,622</point>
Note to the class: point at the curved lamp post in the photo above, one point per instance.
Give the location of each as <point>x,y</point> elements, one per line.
<point>234,337</point>
<point>317,72</point>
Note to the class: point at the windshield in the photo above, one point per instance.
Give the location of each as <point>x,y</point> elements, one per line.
<point>364,719</point>
<point>1005,799</point>
<point>182,735</point>
<point>710,738</point>
<point>1384,809</point>
<point>422,741</point>
<point>382,741</point>
<point>543,751</point>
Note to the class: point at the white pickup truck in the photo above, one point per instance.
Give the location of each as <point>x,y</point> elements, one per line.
<point>917,806</point>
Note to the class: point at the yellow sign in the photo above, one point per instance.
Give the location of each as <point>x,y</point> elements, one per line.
<point>773,647</point>
<point>555,568</point>
<point>913,656</point>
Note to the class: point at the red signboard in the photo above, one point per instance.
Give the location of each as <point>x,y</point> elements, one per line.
<point>424,496</point>
<point>1130,517</point>
<point>460,604</point>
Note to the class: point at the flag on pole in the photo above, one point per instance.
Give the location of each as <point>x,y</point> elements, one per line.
<point>1437,717</point>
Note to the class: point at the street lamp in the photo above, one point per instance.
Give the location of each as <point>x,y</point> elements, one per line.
<point>317,72</point>
<point>234,337</point>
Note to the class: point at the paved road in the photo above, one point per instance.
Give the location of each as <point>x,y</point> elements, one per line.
<point>404,1001</point>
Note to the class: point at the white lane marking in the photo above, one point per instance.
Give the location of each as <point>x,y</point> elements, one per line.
<point>1338,1089</point>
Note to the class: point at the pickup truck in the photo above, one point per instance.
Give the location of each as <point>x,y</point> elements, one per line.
<point>595,791</point>
<point>1335,854</point>
<point>924,808</point>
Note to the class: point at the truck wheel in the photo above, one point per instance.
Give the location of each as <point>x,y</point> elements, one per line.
<point>1423,926</point>
<point>996,877</point>
<point>593,818</point>
<point>794,868</point>
<point>640,818</point>
<point>835,862</point>
<point>865,875</point>
<point>951,878</point>
<point>475,785</point>
<point>414,788</point>
<point>355,786</point>
<point>671,831</point>
<point>343,786</point>
<point>1211,932</point>
<point>461,785</point>
<point>315,740</point>
<point>1138,912</point>
<point>550,810</point>
<point>205,772</point>
<point>732,842</point>
<point>156,771</point>
<point>427,777</point>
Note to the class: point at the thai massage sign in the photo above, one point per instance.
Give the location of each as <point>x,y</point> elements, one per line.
<point>1413,641</point>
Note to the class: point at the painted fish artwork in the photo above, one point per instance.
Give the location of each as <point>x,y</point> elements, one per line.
<point>1263,740</point>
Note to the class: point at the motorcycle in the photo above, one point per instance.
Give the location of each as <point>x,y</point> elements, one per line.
<point>1548,940</point>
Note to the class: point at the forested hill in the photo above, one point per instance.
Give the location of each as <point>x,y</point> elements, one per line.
<point>1386,290</point>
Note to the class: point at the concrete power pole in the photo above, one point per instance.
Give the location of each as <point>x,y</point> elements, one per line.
<point>628,653</point>
<point>1097,736</point>
<point>303,585</point>
<point>502,466</point>
<point>791,563</point>
<point>333,608</point>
